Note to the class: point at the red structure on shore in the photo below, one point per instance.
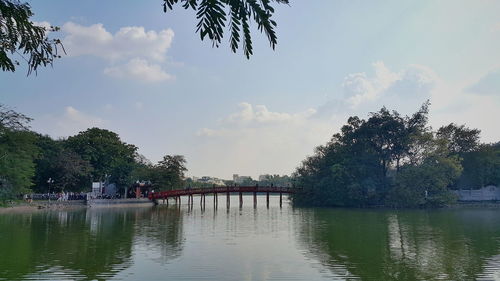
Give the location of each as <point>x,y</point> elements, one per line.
<point>176,194</point>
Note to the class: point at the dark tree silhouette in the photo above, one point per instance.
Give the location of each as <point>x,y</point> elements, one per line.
<point>20,36</point>
<point>214,15</point>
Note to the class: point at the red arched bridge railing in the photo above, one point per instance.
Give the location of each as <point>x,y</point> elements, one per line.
<point>220,189</point>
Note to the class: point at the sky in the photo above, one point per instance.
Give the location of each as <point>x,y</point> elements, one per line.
<point>145,74</point>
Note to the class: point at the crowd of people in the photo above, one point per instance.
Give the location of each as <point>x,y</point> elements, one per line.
<point>61,196</point>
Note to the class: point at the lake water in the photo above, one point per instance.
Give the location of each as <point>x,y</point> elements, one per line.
<point>272,243</point>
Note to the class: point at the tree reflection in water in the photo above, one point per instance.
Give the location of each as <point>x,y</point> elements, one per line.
<point>93,244</point>
<point>161,231</point>
<point>403,245</point>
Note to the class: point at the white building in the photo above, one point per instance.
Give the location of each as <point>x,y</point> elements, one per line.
<point>240,179</point>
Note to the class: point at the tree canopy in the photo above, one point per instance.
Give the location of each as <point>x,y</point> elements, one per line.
<point>106,152</point>
<point>394,160</point>
<point>17,151</point>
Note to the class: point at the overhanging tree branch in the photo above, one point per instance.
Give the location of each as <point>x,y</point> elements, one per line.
<point>19,35</point>
<point>213,15</point>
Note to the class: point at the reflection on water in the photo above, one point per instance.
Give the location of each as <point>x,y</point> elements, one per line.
<point>405,245</point>
<point>250,244</point>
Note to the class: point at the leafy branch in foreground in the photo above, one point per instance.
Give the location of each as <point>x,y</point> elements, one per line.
<point>213,15</point>
<point>20,36</point>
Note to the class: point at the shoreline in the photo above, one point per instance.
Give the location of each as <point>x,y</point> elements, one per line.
<point>36,206</point>
<point>39,206</point>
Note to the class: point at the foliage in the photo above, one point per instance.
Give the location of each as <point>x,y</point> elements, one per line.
<point>20,36</point>
<point>169,172</point>
<point>275,180</point>
<point>387,159</point>
<point>214,15</point>
<point>12,120</point>
<point>108,155</point>
<point>65,167</point>
<point>17,151</point>
<point>481,167</point>
<point>425,184</point>
<point>460,139</point>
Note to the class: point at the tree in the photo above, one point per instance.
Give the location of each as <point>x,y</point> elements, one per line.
<point>68,170</point>
<point>460,138</point>
<point>387,159</point>
<point>481,167</point>
<point>17,151</point>
<point>107,154</point>
<point>169,172</point>
<point>12,120</point>
<point>214,15</point>
<point>20,36</point>
<point>426,183</point>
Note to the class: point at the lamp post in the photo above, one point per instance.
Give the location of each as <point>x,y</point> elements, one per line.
<point>50,181</point>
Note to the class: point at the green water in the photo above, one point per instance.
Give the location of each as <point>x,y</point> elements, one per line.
<point>250,244</point>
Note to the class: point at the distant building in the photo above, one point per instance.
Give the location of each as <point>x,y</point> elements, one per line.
<point>209,180</point>
<point>102,188</point>
<point>241,179</point>
<point>97,188</point>
<point>265,177</point>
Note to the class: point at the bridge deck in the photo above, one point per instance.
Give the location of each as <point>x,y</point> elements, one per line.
<point>220,189</point>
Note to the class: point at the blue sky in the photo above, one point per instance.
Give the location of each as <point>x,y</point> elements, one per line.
<point>146,75</point>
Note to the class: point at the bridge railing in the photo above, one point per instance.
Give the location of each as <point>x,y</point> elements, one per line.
<point>219,189</point>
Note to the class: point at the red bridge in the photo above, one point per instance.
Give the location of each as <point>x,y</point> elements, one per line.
<point>176,194</point>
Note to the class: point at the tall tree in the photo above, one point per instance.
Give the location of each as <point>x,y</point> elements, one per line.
<point>386,159</point>
<point>460,139</point>
<point>108,155</point>
<point>65,167</point>
<point>17,152</point>
<point>169,172</point>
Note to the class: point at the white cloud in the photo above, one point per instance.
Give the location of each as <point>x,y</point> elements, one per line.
<point>257,140</point>
<point>413,81</point>
<point>260,114</point>
<point>133,52</point>
<point>127,42</point>
<point>138,69</point>
<point>69,122</point>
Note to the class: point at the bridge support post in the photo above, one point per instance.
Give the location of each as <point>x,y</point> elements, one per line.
<point>204,200</point>
<point>228,200</point>
<point>255,199</point>
<point>267,200</point>
<point>281,199</point>
<point>241,199</point>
